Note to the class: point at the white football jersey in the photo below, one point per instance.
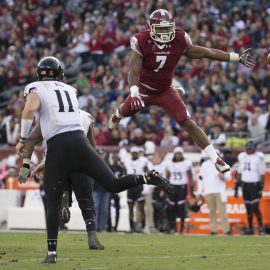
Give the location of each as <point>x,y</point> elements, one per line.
<point>178,171</point>
<point>59,111</point>
<point>251,167</point>
<point>135,166</point>
<point>86,121</point>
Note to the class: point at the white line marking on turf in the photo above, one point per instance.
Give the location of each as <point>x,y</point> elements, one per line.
<point>194,255</point>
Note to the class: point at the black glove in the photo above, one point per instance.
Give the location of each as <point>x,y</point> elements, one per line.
<point>24,171</point>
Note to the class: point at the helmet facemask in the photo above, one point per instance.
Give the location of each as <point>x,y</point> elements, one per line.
<point>162,32</point>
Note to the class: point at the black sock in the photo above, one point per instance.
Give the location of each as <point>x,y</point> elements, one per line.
<point>52,244</point>
<point>131,224</point>
<point>257,213</point>
<point>249,216</point>
<point>90,225</point>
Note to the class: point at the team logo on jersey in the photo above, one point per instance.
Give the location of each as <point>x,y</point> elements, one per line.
<point>167,52</point>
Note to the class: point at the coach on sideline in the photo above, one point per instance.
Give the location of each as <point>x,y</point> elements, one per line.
<point>212,184</point>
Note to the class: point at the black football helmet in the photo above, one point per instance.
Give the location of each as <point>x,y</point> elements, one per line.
<point>50,68</point>
<point>251,146</point>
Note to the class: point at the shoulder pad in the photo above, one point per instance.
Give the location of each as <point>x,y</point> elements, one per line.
<point>31,88</point>
<point>260,155</point>
<point>242,155</point>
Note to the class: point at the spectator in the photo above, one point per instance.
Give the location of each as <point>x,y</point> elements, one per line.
<point>217,137</point>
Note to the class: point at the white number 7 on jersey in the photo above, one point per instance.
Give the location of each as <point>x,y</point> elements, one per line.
<point>162,59</point>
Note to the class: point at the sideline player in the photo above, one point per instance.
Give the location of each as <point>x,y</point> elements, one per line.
<point>250,175</point>
<point>68,150</point>
<point>136,165</point>
<point>179,172</point>
<point>155,54</point>
<point>80,183</point>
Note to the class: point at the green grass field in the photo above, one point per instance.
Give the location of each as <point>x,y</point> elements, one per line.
<point>24,251</point>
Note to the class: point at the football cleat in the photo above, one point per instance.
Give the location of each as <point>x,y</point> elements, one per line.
<point>64,209</point>
<point>261,230</point>
<point>93,241</point>
<point>52,258</point>
<point>154,178</point>
<point>114,121</point>
<point>249,231</point>
<point>221,166</point>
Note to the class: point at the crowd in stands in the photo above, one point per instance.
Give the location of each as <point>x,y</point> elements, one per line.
<point>230,101</point>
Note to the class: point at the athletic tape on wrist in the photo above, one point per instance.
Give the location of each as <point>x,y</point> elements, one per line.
<point>234,57</point>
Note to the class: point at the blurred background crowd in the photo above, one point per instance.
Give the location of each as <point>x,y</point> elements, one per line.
<point>228,100</point>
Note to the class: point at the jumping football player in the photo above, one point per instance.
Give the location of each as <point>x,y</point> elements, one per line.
<point>155,54</point>
<point>68,150</point>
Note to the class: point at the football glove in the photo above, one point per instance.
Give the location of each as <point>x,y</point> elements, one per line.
<point>24,171</point>
<point>137,102</point>
<point>247,59</point>
<point>196,206</point>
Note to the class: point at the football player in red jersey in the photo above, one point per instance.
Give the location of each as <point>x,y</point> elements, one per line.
<point>155,54</point>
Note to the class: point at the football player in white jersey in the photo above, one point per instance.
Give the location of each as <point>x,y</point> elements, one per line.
<point>250,175</point>
<point>68,150</point>
<point>159,196</point>
<point>180,175</point>
<point>135,165</point>
<point>80,183</point>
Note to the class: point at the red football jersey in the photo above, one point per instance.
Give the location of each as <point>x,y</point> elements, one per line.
<point>159,60</point>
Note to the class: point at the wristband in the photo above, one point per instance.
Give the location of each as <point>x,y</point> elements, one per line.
<point>26,125</point>
<point>234,57</point>
<point>26,163</point>
<point>134,89</point>
<point>23,140</point>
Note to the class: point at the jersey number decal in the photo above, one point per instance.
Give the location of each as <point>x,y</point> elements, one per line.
<point>60,101</point>
<point>177,176</point>
<point>247,166</point>
<point>160,59</point>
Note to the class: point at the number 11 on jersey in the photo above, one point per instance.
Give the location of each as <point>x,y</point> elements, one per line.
<point>160,59</point>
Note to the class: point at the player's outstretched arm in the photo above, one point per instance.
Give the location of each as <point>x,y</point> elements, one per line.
<point>198,52</point>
